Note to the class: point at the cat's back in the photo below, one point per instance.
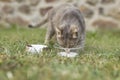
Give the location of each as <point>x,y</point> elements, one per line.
<point>60,11</point>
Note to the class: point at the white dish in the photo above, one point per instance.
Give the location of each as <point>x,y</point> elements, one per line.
<point>35,48</point>
<point>70,54</point>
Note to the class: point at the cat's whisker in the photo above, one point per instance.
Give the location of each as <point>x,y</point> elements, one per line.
<point>66,49</point>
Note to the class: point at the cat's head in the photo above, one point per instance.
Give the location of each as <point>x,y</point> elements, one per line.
<point>67,35</point>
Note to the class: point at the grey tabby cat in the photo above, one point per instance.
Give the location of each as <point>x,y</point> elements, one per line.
<point>67,23</point>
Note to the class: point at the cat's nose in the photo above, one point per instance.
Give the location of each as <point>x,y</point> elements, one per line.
<point>30,26</point>
<point>65,41</point>
<point>68,45</point>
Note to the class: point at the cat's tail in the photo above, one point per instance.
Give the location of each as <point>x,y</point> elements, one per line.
<point>43,21</point>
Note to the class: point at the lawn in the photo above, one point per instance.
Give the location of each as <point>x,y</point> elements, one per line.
<point>100,59</point>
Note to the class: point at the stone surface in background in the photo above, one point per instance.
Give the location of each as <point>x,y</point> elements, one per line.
<point>44,10</point>
<point>7,9</point>
<point>25,9</point>
<point>23,12</point>
<point>19,1</point>
<point>50,0</point>
<point>87,12</point>
<point>34,2</point>
<point>6,0</point>
<point>92,2</point>
<point>17,20</point>
<point>107,1</point>
<point>104,23</point>
<point>115,13</point>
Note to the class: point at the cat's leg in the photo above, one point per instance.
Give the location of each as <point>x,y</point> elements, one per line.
<point>82,41</point>
<point>81,44</point>
<point>49,34</point>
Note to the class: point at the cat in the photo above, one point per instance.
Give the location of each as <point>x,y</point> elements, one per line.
<point>67,23</point>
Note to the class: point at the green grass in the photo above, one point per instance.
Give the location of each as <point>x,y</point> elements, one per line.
<point>100,59</point>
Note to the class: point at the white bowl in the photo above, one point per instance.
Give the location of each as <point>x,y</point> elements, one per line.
<point>70,54</point>
<point>35,48</point>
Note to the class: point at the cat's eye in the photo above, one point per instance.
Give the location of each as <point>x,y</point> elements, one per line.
<point>59,35</point>
<point>76,33</point>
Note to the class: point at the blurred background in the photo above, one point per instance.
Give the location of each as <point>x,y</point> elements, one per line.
<point>98,13</point>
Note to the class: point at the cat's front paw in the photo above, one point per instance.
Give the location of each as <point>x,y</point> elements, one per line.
<point>46,42</point>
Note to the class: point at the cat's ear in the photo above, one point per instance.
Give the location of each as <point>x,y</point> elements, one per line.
<point>58,31</point>
<point>60,28</point>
